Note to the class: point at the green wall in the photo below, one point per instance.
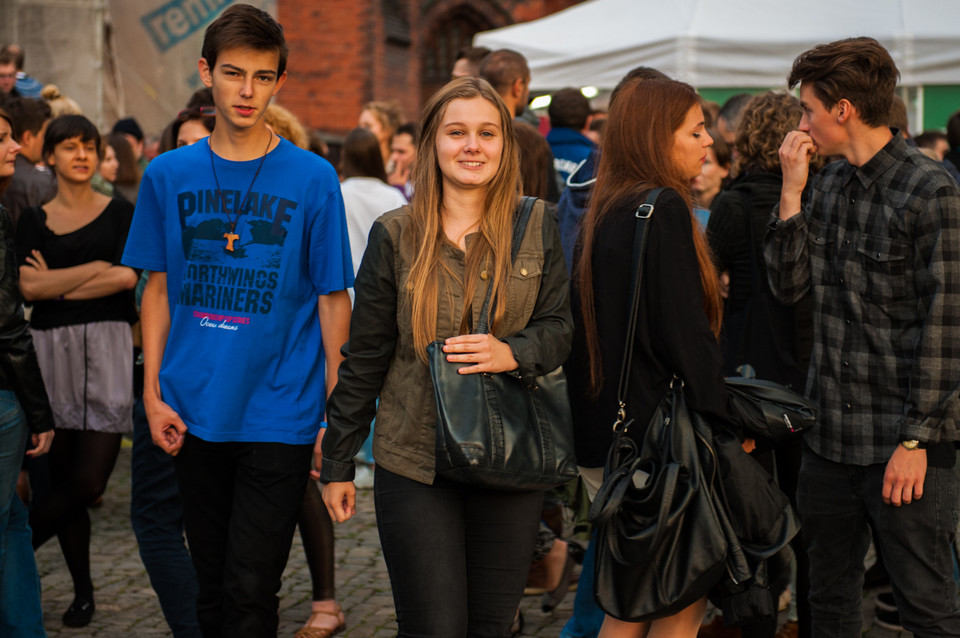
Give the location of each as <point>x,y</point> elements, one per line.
<point>722,95</point>
<point>939,103</point>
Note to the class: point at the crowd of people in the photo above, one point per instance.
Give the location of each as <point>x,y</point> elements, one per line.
<point>258,322</point>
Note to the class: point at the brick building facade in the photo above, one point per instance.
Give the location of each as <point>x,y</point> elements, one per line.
<point>344,53</point>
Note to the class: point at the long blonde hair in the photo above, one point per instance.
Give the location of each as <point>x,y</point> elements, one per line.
<point>490,249</point>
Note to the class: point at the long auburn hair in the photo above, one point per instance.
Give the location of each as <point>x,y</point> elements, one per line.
<point>636,157</point>
<point>490,249</point>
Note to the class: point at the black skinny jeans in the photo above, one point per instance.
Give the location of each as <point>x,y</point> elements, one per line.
<point>458,556</point>
<point>240,507</point>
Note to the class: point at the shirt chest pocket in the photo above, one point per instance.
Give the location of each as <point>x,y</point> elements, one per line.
<point>522,289</point>
<point>823,257</point>
<point>885,267</point>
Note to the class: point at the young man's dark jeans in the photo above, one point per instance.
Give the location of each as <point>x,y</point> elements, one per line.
<point>458,557</point>
<point>157,518</point>
<point>240,507</point>
<point>837,503</point>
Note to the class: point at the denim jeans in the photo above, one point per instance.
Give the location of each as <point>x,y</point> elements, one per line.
<point>838,506</point>
<point>157,518</point>
<point>457,556</point>
<point>20,611</point>
<point>241,502</point>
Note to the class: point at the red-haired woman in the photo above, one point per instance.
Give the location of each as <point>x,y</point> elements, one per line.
<point>655,137</point>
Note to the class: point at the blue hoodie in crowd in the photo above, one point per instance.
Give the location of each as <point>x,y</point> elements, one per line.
<point>574,201</point>
<point>570,148</point>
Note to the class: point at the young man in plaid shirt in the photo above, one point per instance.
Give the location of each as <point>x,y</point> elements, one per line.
<point>878,246</point>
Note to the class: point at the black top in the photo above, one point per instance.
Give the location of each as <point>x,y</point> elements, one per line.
<point>673,333</point>
<point>101,239</point>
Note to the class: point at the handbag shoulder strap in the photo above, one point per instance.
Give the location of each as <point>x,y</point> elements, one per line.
<point>643,214</point>
<point>520,219</point>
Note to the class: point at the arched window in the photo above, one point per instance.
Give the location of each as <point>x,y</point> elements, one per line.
<point>442,41</point>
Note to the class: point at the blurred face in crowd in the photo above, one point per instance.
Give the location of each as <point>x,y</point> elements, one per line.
<point>690,144</point>
<point>370,121</point>
<point>8,77</point>
<point>469,143</point>
<point>711,177</point>
<point>463,68</point>
<point>402,152</point>
<point>74,159</point>
<point>32,145</point>
<point>191,132</point>
<point>8,149</point>
<point>109,165</point>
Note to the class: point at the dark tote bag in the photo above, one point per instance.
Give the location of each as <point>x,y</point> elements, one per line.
<point>661,541</point>
<point>498,430</point>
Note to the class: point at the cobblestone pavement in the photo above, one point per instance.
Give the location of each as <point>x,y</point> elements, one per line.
<point>126,604</point>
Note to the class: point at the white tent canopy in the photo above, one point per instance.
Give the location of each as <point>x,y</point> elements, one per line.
<point>727,43</point>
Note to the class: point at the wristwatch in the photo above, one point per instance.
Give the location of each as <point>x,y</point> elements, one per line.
<point>911,445</point>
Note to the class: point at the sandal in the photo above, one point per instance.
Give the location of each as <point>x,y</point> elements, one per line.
<point>322,632</point>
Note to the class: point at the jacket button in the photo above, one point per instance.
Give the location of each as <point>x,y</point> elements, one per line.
<point>523,271</point>
<point>484,275</point>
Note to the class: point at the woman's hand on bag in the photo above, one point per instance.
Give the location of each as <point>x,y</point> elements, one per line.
<point>341,500</point>
<point>485,352</point>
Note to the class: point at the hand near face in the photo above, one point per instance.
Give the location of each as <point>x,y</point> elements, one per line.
<point>795,154</point>
<point>484,352</point>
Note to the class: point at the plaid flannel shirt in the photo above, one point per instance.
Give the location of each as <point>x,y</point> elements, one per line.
<point>879,246</point>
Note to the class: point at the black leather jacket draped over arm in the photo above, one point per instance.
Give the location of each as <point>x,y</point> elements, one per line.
<point>19,369</point>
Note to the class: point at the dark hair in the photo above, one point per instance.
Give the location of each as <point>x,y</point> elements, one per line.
<point>410,128</point>
<point>953,131</point>
<point>8,58</point>
<point>128,171</point>
<point>929,139</point>
<point>502,68</point>
<point>897,117</point>
<point>473,55</point>
<point>856,69</point>
<point>535,160</point>
<point>732,110</point>
<point>637,73</point>
<point>568,109</point>
<point>198,108</point>
<point>637,144</point>
<point>129,126</point>
<point>361,156</point>
<point>67,127</point>
<point>27,114</point>
<point>200,97</point>
<point>16,51</point>
<point>247,27</point>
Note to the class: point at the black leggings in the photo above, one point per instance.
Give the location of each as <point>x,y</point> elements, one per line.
<point>80,466</point>
<point>316,530</point>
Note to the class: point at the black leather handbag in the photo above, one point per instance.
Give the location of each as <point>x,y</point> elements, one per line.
<point>771,412</point>
<point>662,543</point>
<point>498,430</point>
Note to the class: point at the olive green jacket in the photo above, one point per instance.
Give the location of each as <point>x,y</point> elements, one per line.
<point>381,362</point>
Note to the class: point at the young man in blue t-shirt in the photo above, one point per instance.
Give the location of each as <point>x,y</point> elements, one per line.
<point>245,239</point>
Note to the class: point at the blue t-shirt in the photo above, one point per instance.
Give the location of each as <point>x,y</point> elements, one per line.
<point>244,359</point>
